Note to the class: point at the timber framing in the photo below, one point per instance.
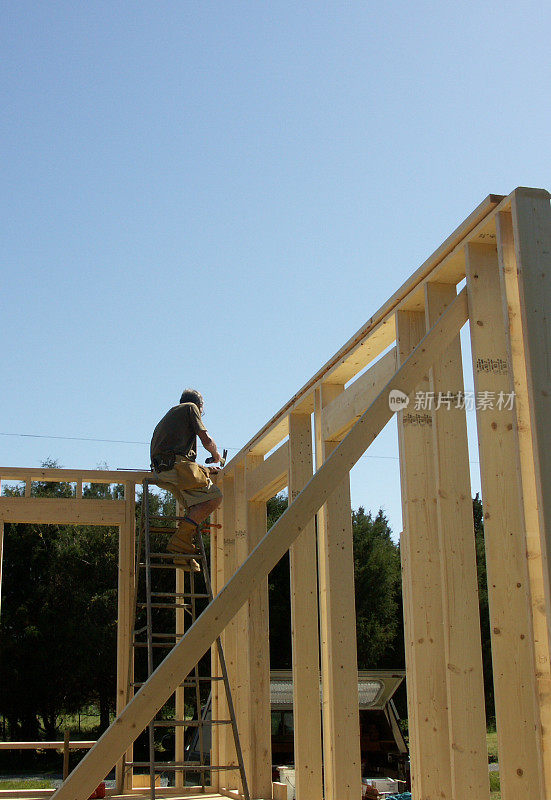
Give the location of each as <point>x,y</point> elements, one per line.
<point>502,252</point>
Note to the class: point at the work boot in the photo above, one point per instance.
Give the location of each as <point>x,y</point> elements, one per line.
<point>182,540</point>
<point>187,564</point>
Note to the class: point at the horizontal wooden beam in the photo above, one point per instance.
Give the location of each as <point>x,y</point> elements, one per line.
<point>45,745</point>
<point>340,415</point>
<point>270,477</point>
<point>158,688</point>
<point>62,511</point>
<point>73,475</point>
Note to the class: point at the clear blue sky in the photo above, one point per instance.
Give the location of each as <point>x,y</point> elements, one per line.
<point>219,194</point>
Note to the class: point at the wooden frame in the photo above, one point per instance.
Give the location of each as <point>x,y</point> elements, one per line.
<point>503,251</point>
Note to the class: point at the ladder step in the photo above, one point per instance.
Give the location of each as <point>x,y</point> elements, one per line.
<point>154,644</point>
<point>164,605</point>
<point>190,595</point>
<point>158,529</point>
<point>172,566</point>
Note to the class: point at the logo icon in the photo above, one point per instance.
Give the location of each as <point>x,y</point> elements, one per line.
<point>397,400</point>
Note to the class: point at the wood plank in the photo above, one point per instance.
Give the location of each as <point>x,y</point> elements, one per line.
<point>532,229</point>
<point>181,619</point>
<point>534,537</point>
<point>217,713</point>
<point>462,641</point>
<point>241,697</point>
<point>73,475</point>
<point>270,476</point>
<point>125,609</point>
<point>279,791</point>
<point>409,632</point>
<point>259,774</point>
<point>339,661</point>
<point>324,396</point>
<point>76,745</point>
<point>341,414</point>
<point>230,635</point>
<point>518,723</point>
<point>427,707</point>
<point>304,628</point>
<point>50,511</point>
<point>262,559</point>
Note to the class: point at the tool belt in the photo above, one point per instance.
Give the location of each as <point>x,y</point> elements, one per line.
<point>190,475</point>
<point>162,462</point>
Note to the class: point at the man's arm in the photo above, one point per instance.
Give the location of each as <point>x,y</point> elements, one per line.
<point>209,444</point>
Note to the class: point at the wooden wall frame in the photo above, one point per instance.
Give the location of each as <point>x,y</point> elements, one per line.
<point>502,251</point>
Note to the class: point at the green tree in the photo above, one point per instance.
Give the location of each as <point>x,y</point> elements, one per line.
<point>378,590</point>
<point>279,596</point>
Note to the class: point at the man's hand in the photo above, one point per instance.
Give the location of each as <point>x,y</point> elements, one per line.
<point>213,470</point>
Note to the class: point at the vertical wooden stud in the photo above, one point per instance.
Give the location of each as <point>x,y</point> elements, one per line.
<point>428,703</point>
<point>461,616</point>
<point>518,723</point>
<point>259,774</point>
<point>215,664</point>
<point>229,639</point>
<point>180,617</point>
<point>532,228</point>
<point>126,584</point>
<point>339,663</point>
<point>66,742</point>
<point>241,697</point>
<point>304,627</point>
<point>535,537</point>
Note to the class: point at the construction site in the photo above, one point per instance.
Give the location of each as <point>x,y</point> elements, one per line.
<point>492,274</point>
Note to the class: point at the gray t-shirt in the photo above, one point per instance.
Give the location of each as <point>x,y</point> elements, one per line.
<point>177,431</point>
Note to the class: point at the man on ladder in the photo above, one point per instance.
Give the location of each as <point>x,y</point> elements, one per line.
<point>173,454</point>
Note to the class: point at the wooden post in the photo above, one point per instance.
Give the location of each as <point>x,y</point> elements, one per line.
<point>304,623</point>
<point>215,557</point>
<point>66,741</point>
<point>180,619</point>
<point>427,703</point>
<point>461,616</point>
<point>535,533</point>
<point>518,723</point>
<point>126,587</point>
<point>259,773</point>
<point>230,636</point>
<point>216,617</point>
<point>532,226</point>
<point>241,697</point>
<point>339,662</point>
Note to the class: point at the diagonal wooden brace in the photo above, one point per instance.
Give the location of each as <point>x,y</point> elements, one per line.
<point>163,682</point>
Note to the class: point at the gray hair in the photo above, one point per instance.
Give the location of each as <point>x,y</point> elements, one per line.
<point>192,396</point>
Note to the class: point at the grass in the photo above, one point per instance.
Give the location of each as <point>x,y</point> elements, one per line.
<point>26,783</point>
<point>491,741</point>
<point>495,793</point>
